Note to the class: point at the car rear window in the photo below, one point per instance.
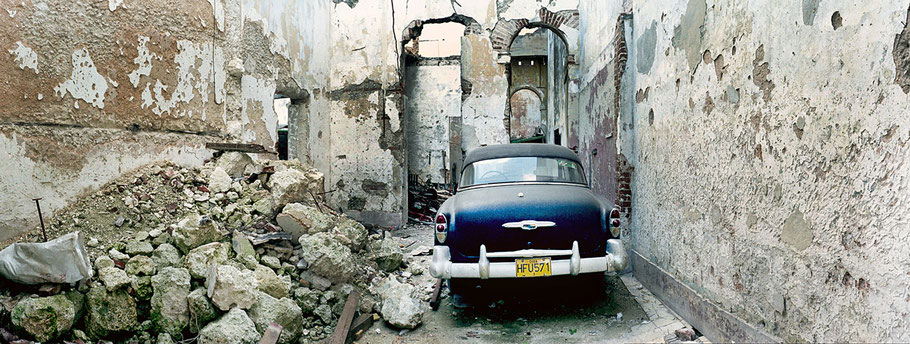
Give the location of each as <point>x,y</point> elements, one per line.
<point>522,169</point>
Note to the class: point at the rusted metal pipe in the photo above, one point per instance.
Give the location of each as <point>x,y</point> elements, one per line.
<point>40,217</point>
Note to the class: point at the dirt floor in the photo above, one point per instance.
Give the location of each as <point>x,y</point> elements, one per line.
<point>526,311</point>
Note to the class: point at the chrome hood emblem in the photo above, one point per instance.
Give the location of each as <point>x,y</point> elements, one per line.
<point>529,224</point>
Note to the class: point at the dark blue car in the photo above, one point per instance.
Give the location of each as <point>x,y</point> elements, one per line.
<point>525,210</point>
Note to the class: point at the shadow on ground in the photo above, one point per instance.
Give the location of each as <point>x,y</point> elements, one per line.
<point>555,309</point>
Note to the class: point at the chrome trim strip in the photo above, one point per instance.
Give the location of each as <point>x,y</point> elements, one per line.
<point>529,253</point>
<point>586,186</point>
<point>529,224</point>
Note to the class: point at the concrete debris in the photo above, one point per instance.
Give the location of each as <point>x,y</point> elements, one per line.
<point>219,180</point>
<point>236,164</point>
<point>293,185</point>
<point>243,250</point>
<point>44,318</point>
<point>139,247</point>
<point>201,309</point>
<point>299,219</point>
<point>272,262</point>
<point>269,282</point>
<point>201,251</point>
<point>113,278</point>
<point>194,231</point>
<point>200,258</point>
<point>170,310</point>
<point>109,312</point>
<point>233,327</point>
<point>401,304</point>
<point>387,255</point>
<point>685,334</point>
<point>283,311</point>
<point>232,288</point>
<point>166,255</point>
<point>327,257</point>
<point>141,265</point>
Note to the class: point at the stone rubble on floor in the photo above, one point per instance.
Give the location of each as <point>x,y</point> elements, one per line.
<point>182,262</point>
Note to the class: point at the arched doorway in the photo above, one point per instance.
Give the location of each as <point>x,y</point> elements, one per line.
<point>527,122</point>
<point>538,69</point>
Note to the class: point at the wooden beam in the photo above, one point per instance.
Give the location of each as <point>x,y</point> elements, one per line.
<point>342,329</point>
<point>271,334</point>
<point>434,299</point>
<point>360,324</point>
<point>237,147</point>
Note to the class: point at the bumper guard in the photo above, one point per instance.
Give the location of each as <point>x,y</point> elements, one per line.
<point>442,266</point>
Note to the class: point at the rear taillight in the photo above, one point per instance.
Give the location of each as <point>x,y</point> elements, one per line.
<point>614,223</point>
<point>442,227</point>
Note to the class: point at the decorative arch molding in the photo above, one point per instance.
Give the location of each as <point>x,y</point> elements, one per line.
<point>505,31</point>
<point>514,89</point>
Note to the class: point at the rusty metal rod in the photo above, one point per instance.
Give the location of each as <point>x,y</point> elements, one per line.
<point>40,217</point>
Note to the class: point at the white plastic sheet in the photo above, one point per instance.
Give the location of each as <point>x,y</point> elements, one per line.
<point>62,260</point>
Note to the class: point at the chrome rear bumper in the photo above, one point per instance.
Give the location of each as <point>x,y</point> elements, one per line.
<point>442,267</point>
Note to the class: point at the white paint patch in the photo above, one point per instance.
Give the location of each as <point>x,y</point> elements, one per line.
<point>218,12</point>
<point>113,4</point>
<point>143,60</point>
<point>25,56</point>
<point>254,90</point>
<point>85,83</point>
<point>198,66</point>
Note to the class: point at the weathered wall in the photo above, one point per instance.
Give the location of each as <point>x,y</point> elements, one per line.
<point>92,90</point>
<point>769,144</point>
<point>527,117</point>
<point>366,109</point>
<point>558,92</point>
<point>432,95</point>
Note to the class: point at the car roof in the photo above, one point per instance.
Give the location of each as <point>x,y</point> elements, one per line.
<point>519,150</point>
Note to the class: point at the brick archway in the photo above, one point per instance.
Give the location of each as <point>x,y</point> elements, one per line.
<point>505,31</point>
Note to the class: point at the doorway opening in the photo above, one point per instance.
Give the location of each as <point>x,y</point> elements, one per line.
<point>432,99</point>
<point>281,105</point>
<point>538,86</point>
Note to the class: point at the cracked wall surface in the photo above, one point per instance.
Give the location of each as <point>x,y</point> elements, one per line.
<point>369,124</point>
<point>92,90</point>
<point>774,182</point>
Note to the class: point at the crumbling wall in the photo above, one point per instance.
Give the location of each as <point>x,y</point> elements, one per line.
<point>432,96</point>
<point>95,89</point>
<point>769,167</point>
<point>368,119</point>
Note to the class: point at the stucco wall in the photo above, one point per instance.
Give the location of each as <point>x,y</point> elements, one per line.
<point>769,142</point>
<point>367,114</point>
<point>92,90</point>
<point>432,95</point>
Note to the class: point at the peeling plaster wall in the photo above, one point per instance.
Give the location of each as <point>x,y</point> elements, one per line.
<point>92,90</point>
<point>366,101</point>
<point>432,95</point>
<point>770,167</point>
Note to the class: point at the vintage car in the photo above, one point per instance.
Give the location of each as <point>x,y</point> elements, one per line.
<point>524,210</point>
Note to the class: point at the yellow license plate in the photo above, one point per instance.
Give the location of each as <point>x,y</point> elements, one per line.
<point>532,267</point>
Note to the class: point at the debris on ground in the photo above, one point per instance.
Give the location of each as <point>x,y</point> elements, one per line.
<point>217,254</point>
<point>424,200</point>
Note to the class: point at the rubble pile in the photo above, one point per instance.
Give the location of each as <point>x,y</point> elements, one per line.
<point>424,201</point>
<point>214,255</point>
